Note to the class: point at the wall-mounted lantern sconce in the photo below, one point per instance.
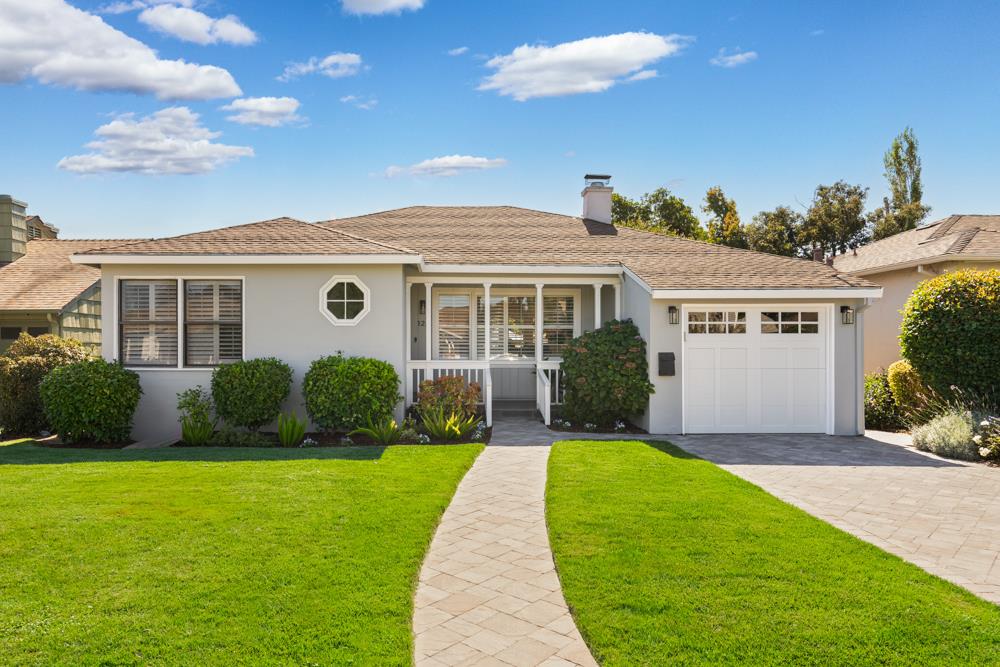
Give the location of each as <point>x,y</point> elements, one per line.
<point>423,307</point>
<point>847,314</point>
<point>673,315</point>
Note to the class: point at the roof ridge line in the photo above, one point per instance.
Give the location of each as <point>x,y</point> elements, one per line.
<point>361,238</point>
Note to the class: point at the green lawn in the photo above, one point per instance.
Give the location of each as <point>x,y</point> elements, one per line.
<point>216,556</point>
<point>665,558</point>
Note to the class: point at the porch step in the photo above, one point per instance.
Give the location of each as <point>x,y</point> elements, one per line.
<point>513,408</point>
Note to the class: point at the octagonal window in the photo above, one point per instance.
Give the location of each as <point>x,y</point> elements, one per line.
<point>345,300</point>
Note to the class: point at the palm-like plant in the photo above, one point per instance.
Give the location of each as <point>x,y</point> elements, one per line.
<point>383,433</point>
<point>450,428</point>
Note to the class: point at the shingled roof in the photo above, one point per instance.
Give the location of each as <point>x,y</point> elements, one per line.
<point>45,279</point>
<point>957,237</point>
<point>281,236</point>
<point>507,235</point>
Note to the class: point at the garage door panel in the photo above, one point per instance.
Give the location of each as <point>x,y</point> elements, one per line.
<point>746,380</point>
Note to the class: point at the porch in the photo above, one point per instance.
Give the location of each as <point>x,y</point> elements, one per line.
<point>530,323</point>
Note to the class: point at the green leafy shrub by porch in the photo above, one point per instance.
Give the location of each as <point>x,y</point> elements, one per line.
<point>250,393</point>
<point>345,393</point>
<point>881,411</point>
<point>606,375</point>
<point>22,368</point>
<point>950,434</point>
<point>449,394</point>
<point>197,416</point>
<point>908,390</point>
<point>949,331</point>
<point>91,400</point>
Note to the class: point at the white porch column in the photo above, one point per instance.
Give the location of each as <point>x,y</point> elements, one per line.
<point>486,321</point>
<point>618,301</point>
<point>428,322</point>
<point>409,323</point>
<point>597,305</point>
<point>539,315</point>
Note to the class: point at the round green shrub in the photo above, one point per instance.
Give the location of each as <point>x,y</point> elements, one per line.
<point>949,331</point>
<point>91,400</point>
<point>345,393</point>
<point>908,390</point>
<point>22,368</point>
<point>606,375</point>
<point>881,411</point>
<point>250,393</point>
<point>949,434</point>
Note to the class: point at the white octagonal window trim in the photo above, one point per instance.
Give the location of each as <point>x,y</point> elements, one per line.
<point>344,300</point>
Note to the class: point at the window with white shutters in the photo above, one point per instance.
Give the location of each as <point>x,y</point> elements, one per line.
<point>453,326</point>
<point>213,322</point>
<point>148,322</point>
<point>558,321</point>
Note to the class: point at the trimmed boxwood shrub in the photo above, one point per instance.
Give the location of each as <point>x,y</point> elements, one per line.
<point>345,393</point>
<point>92,400</point>
<point>22,368</point>
<point>606,375</point>
<point>881,411</point>
<point>250,393</point>
<point>908,389</point>
<point>949,331</point>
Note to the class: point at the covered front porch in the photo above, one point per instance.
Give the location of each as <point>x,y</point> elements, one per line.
<point>531,320</point>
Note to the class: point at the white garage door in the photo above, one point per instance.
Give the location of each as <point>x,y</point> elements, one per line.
<point>755,370</point>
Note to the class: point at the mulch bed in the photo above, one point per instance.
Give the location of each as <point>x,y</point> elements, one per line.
<point>55,443</point>
<point>334,439</point>
<point>578,428</point>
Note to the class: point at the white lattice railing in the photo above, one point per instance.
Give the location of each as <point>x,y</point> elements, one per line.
<point>470,371</point>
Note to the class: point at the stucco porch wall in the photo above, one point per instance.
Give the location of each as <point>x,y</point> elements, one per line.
<point>282,319</point>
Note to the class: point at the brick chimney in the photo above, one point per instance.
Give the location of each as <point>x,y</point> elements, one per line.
<point>13,229</point>
<point>817,254</point>
<point>597,198</point>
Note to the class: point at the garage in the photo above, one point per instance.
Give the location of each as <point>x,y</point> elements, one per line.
<point>757,370</point>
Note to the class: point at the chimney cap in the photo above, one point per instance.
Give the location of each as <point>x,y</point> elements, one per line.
<point>597,177</point>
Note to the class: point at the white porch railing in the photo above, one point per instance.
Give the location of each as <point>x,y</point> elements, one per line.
<point>553,370</point>
<point>543,396</point>
<point>469,370</point>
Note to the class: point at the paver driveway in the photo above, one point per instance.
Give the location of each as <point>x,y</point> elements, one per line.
<point>940,515</point>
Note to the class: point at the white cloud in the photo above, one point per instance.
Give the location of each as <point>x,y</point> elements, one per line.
<point>59,44</point>
<point>380,6</point>
<point>366,103</point>
<point>459,51</point>
<point>123,7</point>
<point>589,65</point>
<point>734,59</point>
<point>170,141</point>
<point>448,165</point>
<point>191,25</point>
<point>266,111</point>
<point>642,75</point>
<point>335,66</point>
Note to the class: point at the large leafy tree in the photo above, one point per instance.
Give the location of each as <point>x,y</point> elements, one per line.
<point>775,231</point>
<point>658,211</point>
<point>903,210</point>
<point>724,226</point>
<point>836,219</point>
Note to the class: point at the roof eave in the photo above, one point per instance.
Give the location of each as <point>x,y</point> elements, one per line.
<point>101,259</point>
<point>771,293</point>
<point>936,259</point>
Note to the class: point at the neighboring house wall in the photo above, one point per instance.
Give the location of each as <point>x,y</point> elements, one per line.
<point>884,317</point>
<point>81,319</point>
<point>13,324</point>
<point>281,319</point>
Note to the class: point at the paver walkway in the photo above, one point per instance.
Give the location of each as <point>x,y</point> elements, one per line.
<point>940,515</point>
<point>488,591</point>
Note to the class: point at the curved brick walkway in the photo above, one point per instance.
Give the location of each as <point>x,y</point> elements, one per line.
<point>488,591</point>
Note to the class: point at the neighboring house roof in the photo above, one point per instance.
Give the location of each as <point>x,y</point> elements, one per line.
<point>507,235</point>
<point>958,237</point>
<point>44,279</point>
<point>281,236</point>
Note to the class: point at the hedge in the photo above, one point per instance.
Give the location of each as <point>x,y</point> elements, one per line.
<point>22,368</point>
<point>345,393</point>
<point>250,393</point>
<point>91,400</point>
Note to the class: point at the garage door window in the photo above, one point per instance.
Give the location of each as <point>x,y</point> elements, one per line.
<point>785,322</point>
<point>717,322</point>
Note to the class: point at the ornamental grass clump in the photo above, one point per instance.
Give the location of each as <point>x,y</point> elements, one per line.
<point>606,374</point>
<point>950,434</point>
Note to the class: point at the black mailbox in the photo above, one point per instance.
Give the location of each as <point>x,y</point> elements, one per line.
<point>666,363</point>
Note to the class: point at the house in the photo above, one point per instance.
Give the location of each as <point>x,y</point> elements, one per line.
<point>759,343</point>
<point>41,290</point>
<point>900,262</point>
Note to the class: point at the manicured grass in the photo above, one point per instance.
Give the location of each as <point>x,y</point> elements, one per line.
<point>215,556</point>
<point>666,559</point>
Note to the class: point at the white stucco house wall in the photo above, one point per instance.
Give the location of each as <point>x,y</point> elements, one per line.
<point>901,262</point>
<point>760,343</point>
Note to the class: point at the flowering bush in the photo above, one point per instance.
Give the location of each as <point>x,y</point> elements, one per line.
<point>620,426</point>
<point>450,394</point>
<point>606,374</point>
<point>987,438</point>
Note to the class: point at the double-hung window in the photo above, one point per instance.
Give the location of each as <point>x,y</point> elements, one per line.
<point>154,330</point>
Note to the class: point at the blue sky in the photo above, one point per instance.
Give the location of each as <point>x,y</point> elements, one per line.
<point>826,89</point>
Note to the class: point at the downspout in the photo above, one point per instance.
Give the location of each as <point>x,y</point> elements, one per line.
<point>859,349</point>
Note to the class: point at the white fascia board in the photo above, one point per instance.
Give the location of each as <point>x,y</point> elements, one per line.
<point>937,259</point>
<point>604,270</point>
<point>779,294</point>
<point>245,259</point>
<point>642,283</point>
